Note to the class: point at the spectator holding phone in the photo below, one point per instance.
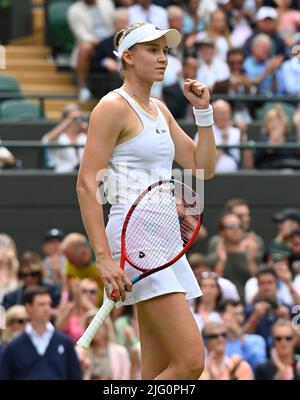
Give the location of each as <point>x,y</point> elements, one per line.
<point>71,130</point>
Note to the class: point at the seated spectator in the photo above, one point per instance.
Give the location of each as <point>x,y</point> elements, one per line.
<point>275,130</point>
<point>240,20</point>
<point>238,82</point>
<point>206,306</point>
<point>289,73</point>
<point>40,352</point>
<point>277,259</point>
<point>219,366</point>
<point>200,263</point>
<point>82,297</point>
<point>71,130</point>
<point>8,265</point>
<point>105,360</point>
<point>80,263</point>
<point>7,160</point>
<point>218,30</point>
<point>293,241</point>
<point>252,348</point>
<point>260,68</point>
<point>31,273</point>
<point>253,242</point>
<point>146,11</point>
<point>265,308</point>
<point>91,21</point>
<point>227,159</point>
<point>105,60</point>
<point>54,261</point>
<point>173,94</point>
<point>283,365</point>
<point>16,318</point>
<point>192,21</point>
<point>266,22</point>
<point>234,261</point>
<point>287,220</point>
<point>211,68</point>
<point>288,21</point>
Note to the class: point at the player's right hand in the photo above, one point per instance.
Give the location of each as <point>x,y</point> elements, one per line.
<point>113,277</point>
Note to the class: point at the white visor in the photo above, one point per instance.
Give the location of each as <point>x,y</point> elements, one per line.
<point>147,33</point>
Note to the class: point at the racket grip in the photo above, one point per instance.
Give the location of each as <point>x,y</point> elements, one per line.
<point>95,324</point>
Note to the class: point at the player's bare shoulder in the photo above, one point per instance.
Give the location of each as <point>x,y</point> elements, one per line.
<point>105,112</point>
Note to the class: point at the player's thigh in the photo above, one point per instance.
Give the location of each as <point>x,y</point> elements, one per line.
<point>173,324</point>
<point>154,359</point>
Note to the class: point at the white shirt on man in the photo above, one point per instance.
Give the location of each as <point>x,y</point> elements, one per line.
<point>218,70</point>
<point>40,342</point>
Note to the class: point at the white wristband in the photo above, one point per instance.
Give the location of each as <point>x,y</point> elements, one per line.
<point>204,117</point>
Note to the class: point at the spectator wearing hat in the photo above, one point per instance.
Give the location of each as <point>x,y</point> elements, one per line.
<point>266,22</point>
<point>283,364</point>
<point>71,130</point>
<point>219,366</point>
<point>252,348</point>
<point>79,259</point>
<point>211,68</point>
<point>40,352</point>
<point>54,261</point>
<point>287,221</point>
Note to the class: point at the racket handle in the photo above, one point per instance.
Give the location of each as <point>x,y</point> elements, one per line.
<point>95,324</point>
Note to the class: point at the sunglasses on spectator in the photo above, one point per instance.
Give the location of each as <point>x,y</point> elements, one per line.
<point>232,226</point>
<point>89,291</point>
<point>209,275</point>
<point>32,274</point>
<point>216,336</point>
<point>281,338</point>
<point>20,321</point>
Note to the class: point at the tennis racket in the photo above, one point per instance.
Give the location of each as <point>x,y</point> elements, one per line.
<point>159,228</point>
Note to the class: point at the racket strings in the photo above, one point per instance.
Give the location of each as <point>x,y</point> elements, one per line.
<point>161,224</point>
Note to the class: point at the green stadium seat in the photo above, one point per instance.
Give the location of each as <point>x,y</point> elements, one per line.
<point>9,86</point>
<point>19,110</point>
<point>61,38</point>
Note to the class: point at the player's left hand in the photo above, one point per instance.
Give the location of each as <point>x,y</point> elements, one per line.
<point>197,93</point>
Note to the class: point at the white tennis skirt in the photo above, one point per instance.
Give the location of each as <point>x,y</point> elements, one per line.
<point>179,277</point>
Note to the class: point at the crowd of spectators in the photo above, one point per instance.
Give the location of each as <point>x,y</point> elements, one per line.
<point>248,314</point>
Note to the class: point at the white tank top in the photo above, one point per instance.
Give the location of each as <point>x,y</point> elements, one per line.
<point>141,160</point>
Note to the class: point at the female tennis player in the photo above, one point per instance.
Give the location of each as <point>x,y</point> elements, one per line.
<point>133,137</point>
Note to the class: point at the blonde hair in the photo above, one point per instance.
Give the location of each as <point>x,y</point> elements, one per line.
<point>276,113</point>
<point>119,36</point>
<point>12,313</point>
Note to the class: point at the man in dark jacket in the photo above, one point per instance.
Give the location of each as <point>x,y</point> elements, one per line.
<point>40,352</point>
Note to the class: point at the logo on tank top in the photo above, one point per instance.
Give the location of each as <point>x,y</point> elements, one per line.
<point>160,131</point>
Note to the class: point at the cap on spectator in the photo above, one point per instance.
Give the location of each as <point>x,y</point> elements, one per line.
<point>266,12</point>
<point>54,234</point>
<point>279,249</point>
<point>287,213</point>
<point>205,40</point>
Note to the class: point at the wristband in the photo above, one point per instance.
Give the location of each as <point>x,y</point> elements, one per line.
<point>204,117</point>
